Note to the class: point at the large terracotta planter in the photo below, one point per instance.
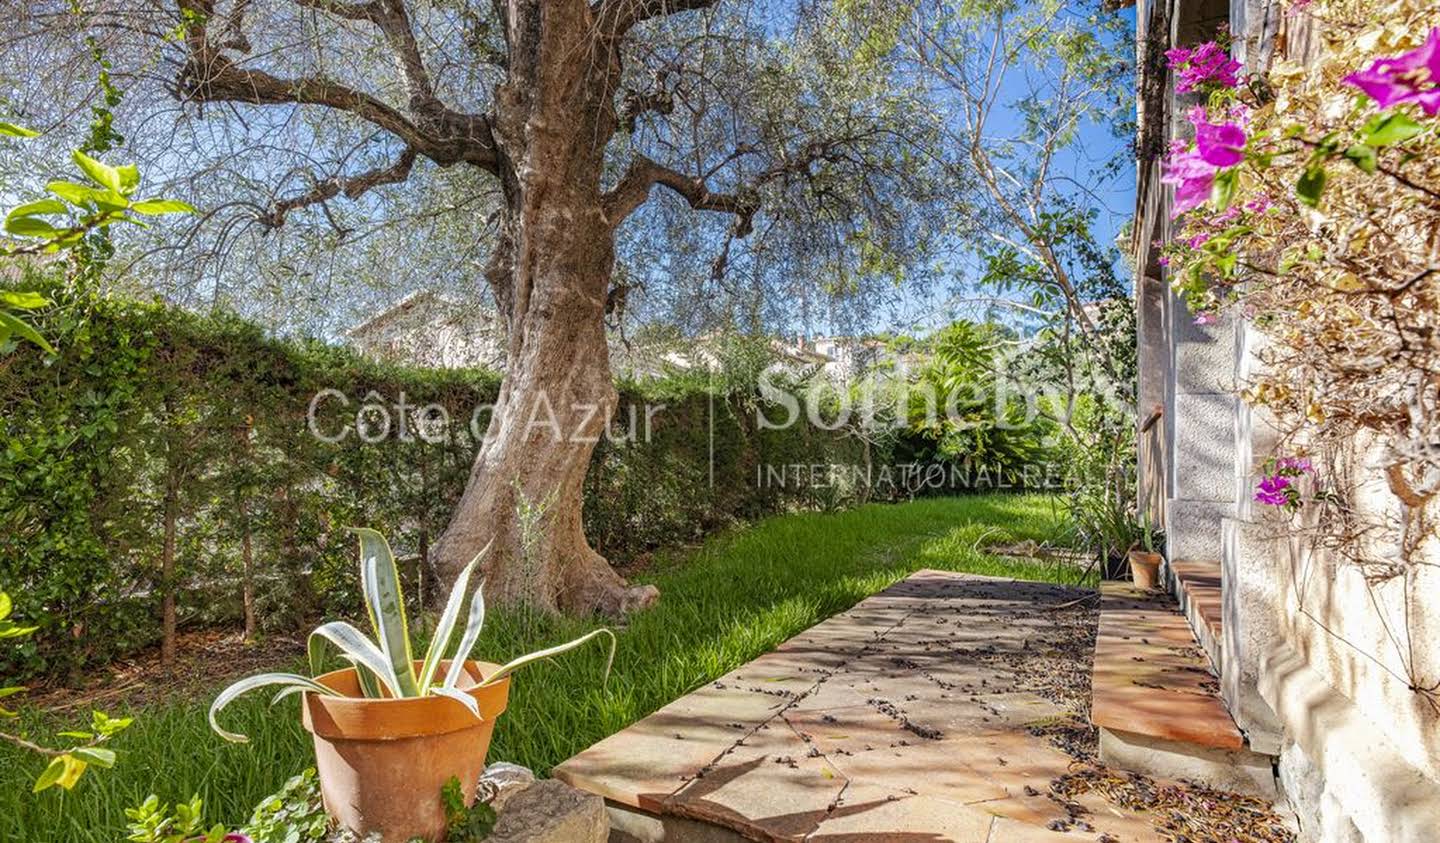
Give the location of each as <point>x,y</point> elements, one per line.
<point>1145,569</point>
<point>382,762</point>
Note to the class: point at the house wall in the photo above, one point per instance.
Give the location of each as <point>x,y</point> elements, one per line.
<point>428,330</point>
<point>1317,660</point>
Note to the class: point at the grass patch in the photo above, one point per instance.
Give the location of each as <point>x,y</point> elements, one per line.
<point>736,597</point>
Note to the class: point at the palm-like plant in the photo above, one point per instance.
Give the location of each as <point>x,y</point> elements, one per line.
<point>385,665</point>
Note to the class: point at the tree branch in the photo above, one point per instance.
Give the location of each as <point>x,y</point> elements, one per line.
<point>370,11</point>
<point>437,132</point>
<point>618,17</point>
<point>634,188</point>
<point>352,187</point>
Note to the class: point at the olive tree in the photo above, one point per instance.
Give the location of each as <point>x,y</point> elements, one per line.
<point>579,115</point>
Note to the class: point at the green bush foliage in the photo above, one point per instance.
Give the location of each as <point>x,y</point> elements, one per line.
<point>153,421</point>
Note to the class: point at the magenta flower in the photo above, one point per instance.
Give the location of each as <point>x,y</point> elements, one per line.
<point>1273,491</point>
<point>1206,319</point>
<point>1198,240</point>
<point>1298,465</point>
<point>1193,178</point>
<point>1207,64</point>
<point>1163,260</point>
<point>1259,204</point>
<point>1222,145</point>
<point>1412,77</point>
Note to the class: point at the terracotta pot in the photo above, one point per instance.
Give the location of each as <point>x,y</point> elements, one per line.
<point>1145,569</point>
<point>382,762</point>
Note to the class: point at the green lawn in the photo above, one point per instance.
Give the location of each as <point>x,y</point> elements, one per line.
<point>736,597</point>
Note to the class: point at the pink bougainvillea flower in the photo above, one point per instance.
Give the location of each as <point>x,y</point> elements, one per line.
<point>1259,204</point>
<point>1220,144</point>
<point>1206,319</point>
<point>1272,491</point>
<point>1295,464</point>
<point>1412,77</point>
<point>1193,178</point>
<point>1207,64</point>
<point>1198,240</point>
<point>1163,260</point>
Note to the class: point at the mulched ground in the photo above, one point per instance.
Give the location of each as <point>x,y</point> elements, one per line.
<point>205,660</point>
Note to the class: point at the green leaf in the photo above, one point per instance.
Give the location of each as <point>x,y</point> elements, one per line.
<point>64,771</point>
<point>380,580</point>
<point>1392,128</point>
<point>356,647</point>
<point>98,756</point>
<point>6,605</point>
<point>250,683</point>
<point>461,697</point>
<point>51,776</point>
<point>1311,184</point>
<point>473,623</point>
<point>78,736</point>
<point>106,725</point>
<point>1223,190</point>
<point>10,325</point>
<point>445,629</point>
<point>30,227</point>
<point>1363,157</point>
<point>8,629</point>
<point>515,664</point>
<point>15,131</point>
<point>153,207</point>
<point>102,174</point>
<point>129,178</point>
<point>42,206</point>
<point>23,300</point>
<point>75,194</point>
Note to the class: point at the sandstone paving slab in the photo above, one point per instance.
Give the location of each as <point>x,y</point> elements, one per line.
<point>870,814</point>
<point>770,780</point>
<point>906,718</point>
<point>645,763</point>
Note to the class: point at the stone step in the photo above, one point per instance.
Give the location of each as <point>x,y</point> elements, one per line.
<point>1196,583</point>
<point>1156,699</point>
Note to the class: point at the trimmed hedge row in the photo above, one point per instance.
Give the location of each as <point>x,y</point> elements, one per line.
<point>158,434</point>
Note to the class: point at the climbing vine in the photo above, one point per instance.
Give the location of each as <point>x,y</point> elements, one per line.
<point>1310,197</point>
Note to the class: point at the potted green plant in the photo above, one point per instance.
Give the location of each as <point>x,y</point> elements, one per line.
<point>391,730</point>
<point>1144,558</point>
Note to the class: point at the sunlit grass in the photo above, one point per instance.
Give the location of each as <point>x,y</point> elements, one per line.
<point>737,596</point>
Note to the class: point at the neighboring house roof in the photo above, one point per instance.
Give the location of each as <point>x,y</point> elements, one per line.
<point>409,302</point>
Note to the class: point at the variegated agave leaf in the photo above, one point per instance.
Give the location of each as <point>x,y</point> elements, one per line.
<point>445,629</point>
<point>460,697</point>
<point>515,664</point>
<point>355,647</point>
<point>250,683</point>
<point>386,603</point>
<point>473,624</point>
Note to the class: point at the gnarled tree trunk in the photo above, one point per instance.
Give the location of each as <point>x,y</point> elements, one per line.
<point>550,274</point>
<point>543,137</point>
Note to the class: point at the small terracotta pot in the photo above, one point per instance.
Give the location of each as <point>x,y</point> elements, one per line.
<point>1145,569</point>
<point>382,762</point>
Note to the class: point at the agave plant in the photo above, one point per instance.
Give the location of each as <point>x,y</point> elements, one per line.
<point>385,665</point>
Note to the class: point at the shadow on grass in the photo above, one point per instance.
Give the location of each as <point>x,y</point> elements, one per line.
<point>737,596</point>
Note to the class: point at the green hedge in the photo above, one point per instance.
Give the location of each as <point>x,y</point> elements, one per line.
<point>151,415</point>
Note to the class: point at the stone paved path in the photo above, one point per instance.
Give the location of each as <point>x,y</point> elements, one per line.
<point>942,708</point>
